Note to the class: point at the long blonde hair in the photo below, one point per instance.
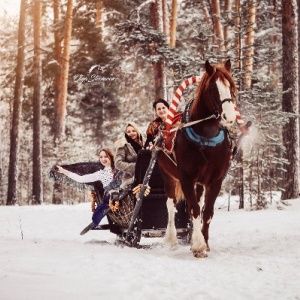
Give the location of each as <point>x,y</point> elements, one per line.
<point>137,129</point>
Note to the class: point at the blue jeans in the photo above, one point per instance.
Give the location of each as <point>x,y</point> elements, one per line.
<point>100,210</point>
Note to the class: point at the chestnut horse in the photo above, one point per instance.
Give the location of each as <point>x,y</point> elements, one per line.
<point>202,153</point>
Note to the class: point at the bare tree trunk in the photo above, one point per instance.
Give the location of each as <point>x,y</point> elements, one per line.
<point>249,44</point>
<point>37,181</point>
<point>226,27</point>
<point>273,69</point>
<point>259,202</point>
<point>12,197</point>
<point>205,12</point>
<point>290,99</point>
<point>173,30</point>
<point>158,66</point>
<point>237,30</point>
<point>173,24</point>
<point>57,54</point>
<point>218,27</point>
<point>166,20</point>
<point>237,38</point>
<point>250,179</point>
<point>57,187</point>
<point>298,4</point>
<point>241,183</point>
<point>63,90</point>
<point>99,22</point>
<point>1,170</point>
<point>62,87</point>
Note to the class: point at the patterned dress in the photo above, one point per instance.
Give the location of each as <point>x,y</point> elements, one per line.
<point>152,132</point>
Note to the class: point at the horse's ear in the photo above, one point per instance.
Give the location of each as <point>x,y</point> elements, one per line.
<point>209,68</point>
<point>228,65</point>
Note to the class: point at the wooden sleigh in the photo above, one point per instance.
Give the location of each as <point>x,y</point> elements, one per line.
<point>152,218</point>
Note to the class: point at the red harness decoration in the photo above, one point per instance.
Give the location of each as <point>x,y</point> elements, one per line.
<point>170,137</point>
<point>175,101</point>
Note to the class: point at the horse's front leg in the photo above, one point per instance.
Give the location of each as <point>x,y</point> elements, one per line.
<point>198,245</point>
<point>171,235</point>
<point>200,192</point>
<point>211,195</point>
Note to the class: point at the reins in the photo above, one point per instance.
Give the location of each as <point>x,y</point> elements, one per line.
<point>216,116</point>
<point>188,124</point>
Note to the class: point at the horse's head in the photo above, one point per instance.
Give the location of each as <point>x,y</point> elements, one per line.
<point>217,89</point>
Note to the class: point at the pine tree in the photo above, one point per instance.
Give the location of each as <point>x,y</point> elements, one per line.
<point>290,99</point>
<point>12,197</point>
<point>37,180</point>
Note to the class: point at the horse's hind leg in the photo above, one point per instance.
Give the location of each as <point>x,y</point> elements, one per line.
<point>171,235</point>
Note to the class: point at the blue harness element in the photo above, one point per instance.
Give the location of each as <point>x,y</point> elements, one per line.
<point>202,141</point>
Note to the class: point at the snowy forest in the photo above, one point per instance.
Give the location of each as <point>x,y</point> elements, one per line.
<point>73,72</point>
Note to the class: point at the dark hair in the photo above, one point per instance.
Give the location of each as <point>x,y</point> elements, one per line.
<point>110,154</point>
<point>160,101</point>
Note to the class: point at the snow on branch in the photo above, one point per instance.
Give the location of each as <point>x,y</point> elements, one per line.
<point>140,8</point>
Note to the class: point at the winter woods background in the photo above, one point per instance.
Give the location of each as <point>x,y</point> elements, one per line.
<point>73,72</point>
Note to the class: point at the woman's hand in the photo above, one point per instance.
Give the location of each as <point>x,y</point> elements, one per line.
<point>61,170</point>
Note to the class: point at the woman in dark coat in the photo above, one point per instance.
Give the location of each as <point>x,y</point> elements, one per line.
<point>127,149</point>
<point>161,108</point>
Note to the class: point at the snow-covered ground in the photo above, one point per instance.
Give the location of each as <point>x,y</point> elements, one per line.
<point>254,255</point>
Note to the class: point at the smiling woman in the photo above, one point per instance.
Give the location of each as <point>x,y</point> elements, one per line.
<point>10,7</point>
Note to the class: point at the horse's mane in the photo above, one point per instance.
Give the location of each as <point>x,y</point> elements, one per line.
<point>221,73</point>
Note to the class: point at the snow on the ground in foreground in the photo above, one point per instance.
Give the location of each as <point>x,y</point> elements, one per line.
<point>254,255</point>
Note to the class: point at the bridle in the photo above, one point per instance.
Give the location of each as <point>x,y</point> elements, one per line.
<point>218,103</point>
<point>165,127</point>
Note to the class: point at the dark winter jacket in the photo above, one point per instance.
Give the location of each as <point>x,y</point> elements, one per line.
<point>125,159</point>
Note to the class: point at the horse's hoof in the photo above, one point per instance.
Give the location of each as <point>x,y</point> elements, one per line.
<point>173,247</point>
<point>200,254</point>
<point>172,244</point>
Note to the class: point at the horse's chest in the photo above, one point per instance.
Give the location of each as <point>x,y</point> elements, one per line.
<point>206,164</point>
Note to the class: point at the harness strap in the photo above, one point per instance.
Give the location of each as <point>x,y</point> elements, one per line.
<point>160,148</point>
<point>202,141</point>
<point>201,120</point>
<point>180,126</point>
<point>170,158</point>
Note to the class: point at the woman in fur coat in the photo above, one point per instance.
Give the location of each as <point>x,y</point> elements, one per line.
<point>127,149</point>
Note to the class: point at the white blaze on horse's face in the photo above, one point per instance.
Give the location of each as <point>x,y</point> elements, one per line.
<point>228,115</point>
